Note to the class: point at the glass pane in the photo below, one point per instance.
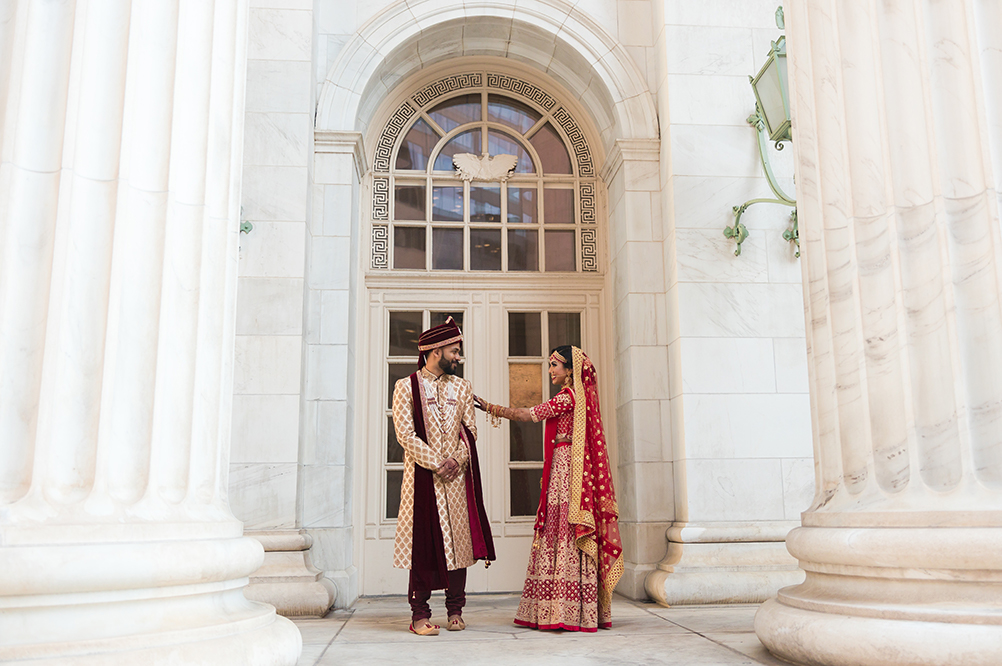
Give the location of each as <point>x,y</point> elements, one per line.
<point>467,142</point>
<point>560,251</point>
<point>485,203</point>
<point>405,327</point>
<point>523,250</point>
<point>408,247</point>
<point>513,114</point>
<point>394,452</point>
<point>525,486</point>
<point>525,384</point>
<point>485,249</point>
<point>409,202</point>
<point>499,143</point>
<point>457,111</point>
<point>447,203</point>
<point>558,206</point>
<point>551,150</point>
<point>394,478</point>
<point>564,329</point>
<point>439,318</point>
<point>524,334</point>
<point>447,249</point>
<point>522,205</point>
<point>394,372</point>
<point>526,441</point>
<point>417,146</point>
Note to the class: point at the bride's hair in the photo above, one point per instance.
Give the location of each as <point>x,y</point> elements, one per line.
<point>565,351</point>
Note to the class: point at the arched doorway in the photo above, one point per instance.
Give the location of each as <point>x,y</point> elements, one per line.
<point>516,258</point>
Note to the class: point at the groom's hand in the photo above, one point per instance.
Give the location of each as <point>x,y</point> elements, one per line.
<point>449,470</point>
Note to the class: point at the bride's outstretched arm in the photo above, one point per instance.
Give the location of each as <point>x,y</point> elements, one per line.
<point>510,413</point>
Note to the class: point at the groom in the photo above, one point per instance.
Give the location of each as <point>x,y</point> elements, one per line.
<point>442,527</point>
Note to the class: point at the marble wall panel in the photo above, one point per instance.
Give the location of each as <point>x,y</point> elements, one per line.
<point>721,13</point>
<point>709,50</point>
<point>267,364</point>
<point>648,372</point>
<point>327,372</point>
<point>273,249</point>
<point>741,310</point>
<point>798,486</point>
<point>728,365</point>
<point>791,365</point>
<point>715,150</point>
<point>705,255</point>
<point>324,501</point>
<point>279,34</point>
<point>706,202</point>
<point>270,306</point>
<point>734,489</point>
<point>277,139</point>
<point>784,265</point>
<point>635,23</point>
<point>274,193</point>
<point>653,490</point>
<point>263,495</point>
<point>640,431</point>
<point>638,216</point>
<point>340,206</point>
<point>278,86</point>
<point>767,425</point>
<point>333,317</point>
<point>265,429</point>
<point>710,100</point>
<point>329,263</point>
<point>332,415</point>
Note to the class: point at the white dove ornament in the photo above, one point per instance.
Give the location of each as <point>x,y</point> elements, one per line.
<point>485,167</point>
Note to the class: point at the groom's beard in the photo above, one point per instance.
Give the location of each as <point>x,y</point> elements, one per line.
<point>447,366</point>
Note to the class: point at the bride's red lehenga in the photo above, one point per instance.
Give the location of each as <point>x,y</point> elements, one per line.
<point>576,556</point>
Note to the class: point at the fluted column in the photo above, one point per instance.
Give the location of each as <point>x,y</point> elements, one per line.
<point>119,195</point>
<point>897,131</point>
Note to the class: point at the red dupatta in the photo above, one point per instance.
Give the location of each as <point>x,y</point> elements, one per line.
<point>593,509</point>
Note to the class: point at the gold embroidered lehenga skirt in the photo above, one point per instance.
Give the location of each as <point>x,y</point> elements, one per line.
<point>561,583</point>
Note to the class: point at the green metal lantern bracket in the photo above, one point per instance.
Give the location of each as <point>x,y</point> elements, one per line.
<point>771,121</point>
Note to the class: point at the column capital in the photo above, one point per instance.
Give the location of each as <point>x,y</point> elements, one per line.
<point>342,142</point>
<point>628,150</point>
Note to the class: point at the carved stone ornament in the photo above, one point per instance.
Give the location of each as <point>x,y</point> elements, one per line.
<point>485,167</point>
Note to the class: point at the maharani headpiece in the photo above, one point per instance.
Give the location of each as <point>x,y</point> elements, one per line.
<point>556,355</point>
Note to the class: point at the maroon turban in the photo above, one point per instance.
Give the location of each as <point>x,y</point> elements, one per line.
<point>438,336</point>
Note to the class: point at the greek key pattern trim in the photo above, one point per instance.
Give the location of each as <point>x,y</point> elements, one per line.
<point>384,147</point>
<point>586,195</point>
<point>446,86</point>
<point>520,87</point>
<point>577,139</point>
<point>380,198</point>
<point>589,250</point>
<point>380,246</point>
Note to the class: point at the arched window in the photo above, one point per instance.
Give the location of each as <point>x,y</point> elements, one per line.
<point>539,217</point>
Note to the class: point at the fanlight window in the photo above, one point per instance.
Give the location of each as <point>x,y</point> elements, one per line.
<point>524,219</point>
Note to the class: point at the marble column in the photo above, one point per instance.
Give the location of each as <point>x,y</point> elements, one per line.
<point>119,202</point>
<point>897,119</point>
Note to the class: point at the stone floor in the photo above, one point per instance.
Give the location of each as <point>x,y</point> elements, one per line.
<point>374,631</point>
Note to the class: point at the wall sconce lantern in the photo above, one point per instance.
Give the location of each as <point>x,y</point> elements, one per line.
<point>771,120</point>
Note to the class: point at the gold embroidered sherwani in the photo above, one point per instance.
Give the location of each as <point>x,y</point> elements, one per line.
<point>448,402</point>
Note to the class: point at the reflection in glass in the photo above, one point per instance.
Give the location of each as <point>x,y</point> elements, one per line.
<point>560,251</point>
<point>409,202</point>
<point>457,111</point>
<point>394,452</point>
<point>447,249</point>
<point>499,143</point>
<point>558,206</point>
<point>408,247</point>
<point>417,146</point>
<point>526,442</point>
<point>394,478</point>
<point>524,491</point>
<point>394,372</point>
<point>516,115</point>
<point>439,318</point>
<point>521,205</point>
<point>525,387</point>
<point>564,328</point>
<point>485,203</point>
<point>524,334</point>
<point>467,142</point>
<point>485,249</point>
<point>405,327</point>
<point>447,203</point>
<point>551,150</point>
<point>523,250</point>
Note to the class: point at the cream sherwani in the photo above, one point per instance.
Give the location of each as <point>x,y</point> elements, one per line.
<point>448,403</point>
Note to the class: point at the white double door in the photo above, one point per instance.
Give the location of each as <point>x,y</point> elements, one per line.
<point>508,336</point>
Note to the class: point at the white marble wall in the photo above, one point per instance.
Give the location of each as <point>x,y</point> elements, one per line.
<point>739,407</point>
<point>269,343</point>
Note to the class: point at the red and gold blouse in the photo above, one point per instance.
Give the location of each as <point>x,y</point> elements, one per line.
<point>560,407</point>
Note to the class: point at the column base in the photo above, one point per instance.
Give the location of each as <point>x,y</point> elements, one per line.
<point>722,573</point>
<point>812,638</point>
<point>156,602</point>
<point>288,580</point>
